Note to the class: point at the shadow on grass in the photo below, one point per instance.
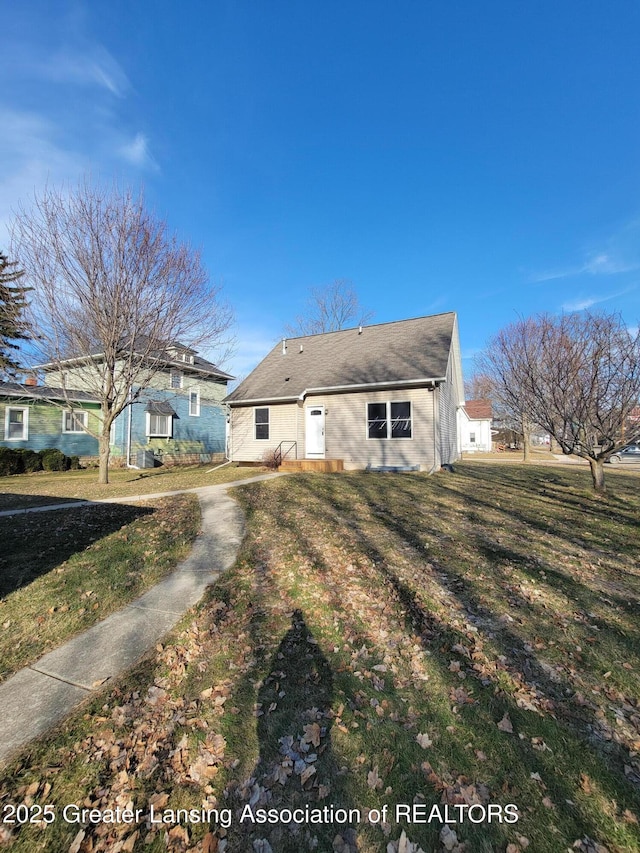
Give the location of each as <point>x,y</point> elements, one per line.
<point>296,758</point>
<point>581,730</point>
<point>19,501</point>
<point>34,543</point>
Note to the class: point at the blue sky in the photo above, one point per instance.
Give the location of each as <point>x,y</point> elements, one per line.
<point>441,155</point>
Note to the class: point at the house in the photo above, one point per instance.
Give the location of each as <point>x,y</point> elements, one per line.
<point>177,413</point>
<point>380,396</point>
<point>38,417</point>
<point>474,420</point>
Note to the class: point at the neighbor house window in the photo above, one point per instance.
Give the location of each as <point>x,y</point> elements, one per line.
<point>262,423</point>
<point>16,424</point>
<point>472,438</point>
<point>74,421</point>
<point>389,420</point>
<point>176,379</point>
<point>194,403</point>
<point>159,426</point>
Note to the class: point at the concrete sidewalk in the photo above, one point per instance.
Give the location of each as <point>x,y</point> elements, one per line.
<point>38,696</point>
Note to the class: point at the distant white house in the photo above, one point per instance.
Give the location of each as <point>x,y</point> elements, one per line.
<point>474,426</point>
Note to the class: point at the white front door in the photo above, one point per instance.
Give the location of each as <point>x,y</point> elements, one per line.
<point>314,432</point>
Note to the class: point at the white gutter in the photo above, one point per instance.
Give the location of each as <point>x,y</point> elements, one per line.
<point>333,389</point>
<point>371,386</point>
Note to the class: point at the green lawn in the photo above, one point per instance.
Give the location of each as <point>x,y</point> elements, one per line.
<point>24,490</point>
<point>62,571</point>
<point>467,640</point>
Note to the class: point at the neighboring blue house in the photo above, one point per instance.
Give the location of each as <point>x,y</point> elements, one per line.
<point>38,417</point>
<point>179,415</point>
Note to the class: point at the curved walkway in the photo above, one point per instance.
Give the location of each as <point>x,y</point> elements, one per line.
<point>38,696</point>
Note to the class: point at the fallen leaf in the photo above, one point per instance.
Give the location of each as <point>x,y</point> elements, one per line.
<point>373,780</point>
<point>505,724</point>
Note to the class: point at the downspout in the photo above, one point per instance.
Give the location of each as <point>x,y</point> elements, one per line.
<point>436,428</point>
<point>128,441</point>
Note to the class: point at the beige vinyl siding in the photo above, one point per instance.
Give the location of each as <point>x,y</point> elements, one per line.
<point>244,447</point>
<point>346,429</point>
<point>448,419</point>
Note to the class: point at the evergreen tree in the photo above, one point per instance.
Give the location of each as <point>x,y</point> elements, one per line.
<point>13,326</point>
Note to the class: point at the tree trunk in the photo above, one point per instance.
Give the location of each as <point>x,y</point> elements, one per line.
<point>597,474</point>
<point>103,450</point>
<point>526,439</point>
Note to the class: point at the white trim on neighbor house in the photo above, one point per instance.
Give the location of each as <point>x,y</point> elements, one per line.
<point>158,433</point>
<point>76,418</point>
<point>194,410</point>
<point>25,423</point>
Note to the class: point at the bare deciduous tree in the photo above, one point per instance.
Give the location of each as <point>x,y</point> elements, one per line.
<point>112,289</point>
<point>577,376</point>
<point>330,309</point>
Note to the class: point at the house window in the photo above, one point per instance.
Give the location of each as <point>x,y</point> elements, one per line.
<point>16,424</point>
<point>159,426</point>
<point>472,438</point>
<point>176,379</point>
<point>194,402</point>
<point>262,423</point>
<point>74,421</point>
<point>389,420</point>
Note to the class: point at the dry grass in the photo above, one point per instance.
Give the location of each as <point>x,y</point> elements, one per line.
<point>384,640</point>
<point>63,571</point>
<point>24,490</point>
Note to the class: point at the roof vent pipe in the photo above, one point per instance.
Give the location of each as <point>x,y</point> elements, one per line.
<point>359,330</point>
<point>301,348</point>
<point>284,346</point>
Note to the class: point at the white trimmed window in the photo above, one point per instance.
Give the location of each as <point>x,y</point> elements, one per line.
<point>74,421</point>
<point>262,423</point>
<point>16,424</point>
<point>389,420</point>
<point>175,380</point>
<point>159,426</point>
<point>194,402</point>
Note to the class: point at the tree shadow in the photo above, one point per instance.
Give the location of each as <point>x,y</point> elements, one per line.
<point>34,543</point>
<point>296,758</point>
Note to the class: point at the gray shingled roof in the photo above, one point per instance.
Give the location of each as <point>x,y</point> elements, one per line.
<point>44,392</point>
<point>199,365</point>
<point>400,352</point>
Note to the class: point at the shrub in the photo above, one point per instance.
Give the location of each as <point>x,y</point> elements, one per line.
<point>74,463</point>
<point>10,461</point>
<point>270,459</point>
<point>54,460</point>
<point>31,461</point>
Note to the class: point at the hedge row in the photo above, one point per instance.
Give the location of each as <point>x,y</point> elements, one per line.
<point>17,461</point>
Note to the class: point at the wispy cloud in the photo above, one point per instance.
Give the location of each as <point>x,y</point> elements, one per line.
<point>620,254</point>
<point>137,153</point>
<point>90,65</point>
<point>78,120</point>
<point>582,303</point>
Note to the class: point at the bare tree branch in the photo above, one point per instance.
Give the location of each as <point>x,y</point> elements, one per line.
<point>330,309</point>
<point>577,376</point>
<point>112,289</point>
